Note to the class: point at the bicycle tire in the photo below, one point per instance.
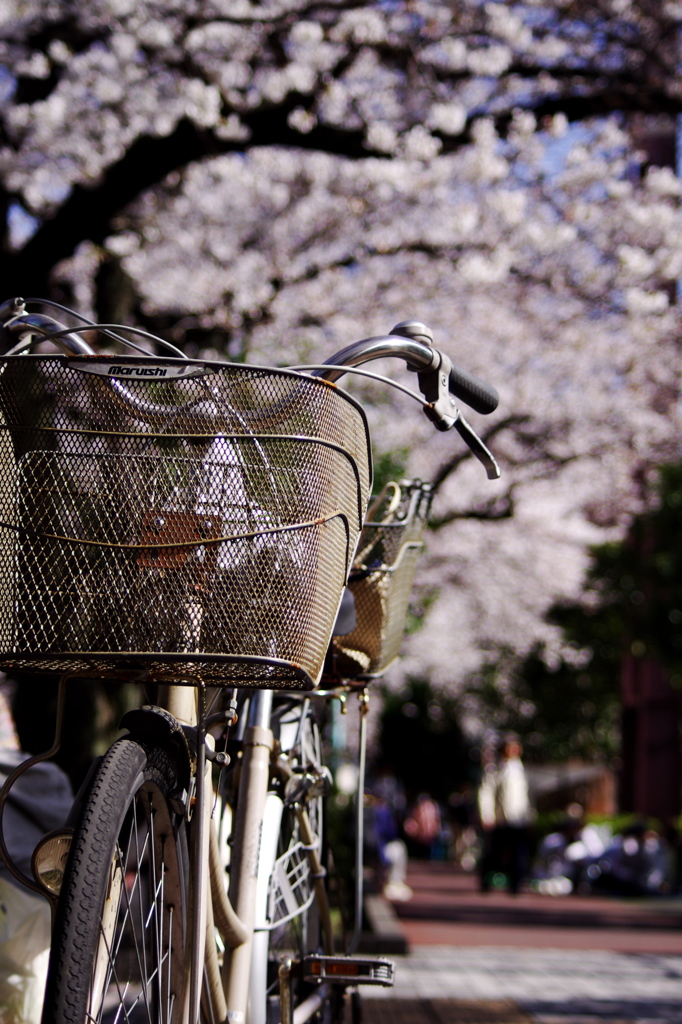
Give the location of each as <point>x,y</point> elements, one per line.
<point>118,946</point>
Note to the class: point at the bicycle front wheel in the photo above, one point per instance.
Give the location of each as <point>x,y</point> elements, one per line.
<point>118,947</point>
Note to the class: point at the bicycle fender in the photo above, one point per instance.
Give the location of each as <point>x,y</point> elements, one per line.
<point>155,726</point>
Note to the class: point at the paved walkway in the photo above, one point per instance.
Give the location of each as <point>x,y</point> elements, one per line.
<point>543,985</point>
<point>447,909</point>
<point>530,959</point>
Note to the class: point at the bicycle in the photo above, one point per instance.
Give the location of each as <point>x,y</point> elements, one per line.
<point>190,526</point>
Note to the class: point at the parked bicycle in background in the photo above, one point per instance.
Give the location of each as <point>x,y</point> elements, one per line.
<point>190,526</point>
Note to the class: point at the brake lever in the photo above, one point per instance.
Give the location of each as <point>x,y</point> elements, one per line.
<point>442,410</point>
<point>482,453</point>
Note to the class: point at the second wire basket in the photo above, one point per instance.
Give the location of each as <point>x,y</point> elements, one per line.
<point>381,580</point>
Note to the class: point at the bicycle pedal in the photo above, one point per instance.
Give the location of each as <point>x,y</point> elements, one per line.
<point>349,970</point>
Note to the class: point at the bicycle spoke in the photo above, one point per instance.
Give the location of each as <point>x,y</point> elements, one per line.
<point>110,958</point>
<point>138,866</point>
<point>121,996</point>
<point>122,861</point>
<point>128,924</point>
<point>156,935</point>
<point>112,972</point>
<point>170,960</point>
<point>152,909</point>
<point>159,918</point>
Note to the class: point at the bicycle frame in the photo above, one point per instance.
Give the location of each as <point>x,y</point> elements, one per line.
<point>185,703</point>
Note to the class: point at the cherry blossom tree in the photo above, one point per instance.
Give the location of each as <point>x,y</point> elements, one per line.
<point>272,180</point>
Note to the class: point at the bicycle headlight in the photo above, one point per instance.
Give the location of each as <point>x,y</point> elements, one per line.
<point>49,860</point>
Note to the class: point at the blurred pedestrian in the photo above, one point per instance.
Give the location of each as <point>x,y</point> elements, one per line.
<point>504,810</point>
<point>422,825</point>
<point>464,816</point>
<point>565,857</point>
<point>387,851</point>
<point>636,863</point>
<point>392,855</point>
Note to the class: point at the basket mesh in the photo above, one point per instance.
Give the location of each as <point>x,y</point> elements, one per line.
<point>381,582</point>
<point>203,523</point>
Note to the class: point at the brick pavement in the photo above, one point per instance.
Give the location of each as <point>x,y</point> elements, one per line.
<point>498,959</point>
<point>447,909</point>
<point>441,1011</point>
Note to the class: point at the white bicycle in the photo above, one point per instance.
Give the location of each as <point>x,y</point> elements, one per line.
<point>190,526</point>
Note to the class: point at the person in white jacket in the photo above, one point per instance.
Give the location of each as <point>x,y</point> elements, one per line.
<point>504,810</point>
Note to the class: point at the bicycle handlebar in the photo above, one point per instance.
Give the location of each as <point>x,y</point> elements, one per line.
<point>409,340</point>
<point>438,381</point>
<point>412,341</point>
<point>25,326</point>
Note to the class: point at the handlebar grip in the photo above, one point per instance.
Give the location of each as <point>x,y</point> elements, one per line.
<point>471,389</point>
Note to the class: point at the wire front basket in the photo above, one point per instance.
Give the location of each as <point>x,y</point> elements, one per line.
<point>175,517</point>
<point>381,580</point>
